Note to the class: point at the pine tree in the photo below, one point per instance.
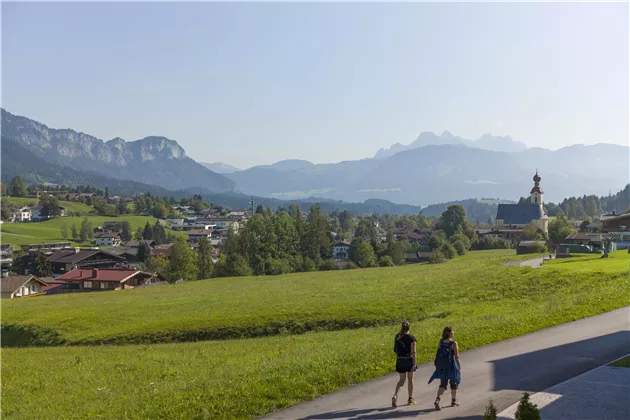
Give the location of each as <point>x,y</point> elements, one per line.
<point>147,233</point>
<point>182,262</point>
<point>64,231</point>
<point>43,268</point>
<point>75,233</point>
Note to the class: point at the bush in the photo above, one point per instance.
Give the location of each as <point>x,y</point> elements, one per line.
<point>491,411</point>
<point>465,240</point>
<point>386,261</point>
<point>328,265</point>
<point>435,242</point>
<point>437,258</point>
<point>459,247</point>
<point>274,267</point>
<point>448,250</point>
<point>351,265</point>
<point>491,243</point>
<point>526,410</point>
<point>308,265</point>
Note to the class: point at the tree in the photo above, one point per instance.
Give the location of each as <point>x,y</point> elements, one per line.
<point>182,262</point>
<point>204,258</point>
<point>106,192</point>
<point>125,234</point>
<point>453,220</point>
<point>6,210</point>
<point>491,411</point>
<point>75,234</point>
<point>159,234</point>
<point>234,265</point>
<point>122,208</point>
<point>317,242</point>
<point>43,268</point>
<point>147,233</point>
<point>138,236</point>
<point>50,206</point>
<point>158,264</point>
<point>365,256</point>
<point>526,410</point>
<point>435,242</point>
<point>346,221</point>
<point>559,229</point>
<point>64,231</point>
<point>4,189</point>
<point>144,252</point>
<point>18,188</point>
<point>463,239</point>
<point>231,241</point>
<point>459,247</point>
<point>395,250</point>
<point>585,223</point>
<point>260,209</point>
<point>159,210</point>
<point>86,232</point>
<point>367,230</point>
<point>385,261</point>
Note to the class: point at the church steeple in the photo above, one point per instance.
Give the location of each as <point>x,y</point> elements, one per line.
<point>536,193</point>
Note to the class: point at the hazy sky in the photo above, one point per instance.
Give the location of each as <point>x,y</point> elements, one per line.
<point>256,83</point>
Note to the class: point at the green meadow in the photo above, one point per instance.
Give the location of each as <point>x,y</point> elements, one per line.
<point>50,230</point>
<point>277,340</point>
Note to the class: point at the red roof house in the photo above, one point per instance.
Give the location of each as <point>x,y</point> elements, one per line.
<point>91,279</point>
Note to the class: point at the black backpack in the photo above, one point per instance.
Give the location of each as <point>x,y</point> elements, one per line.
<point>444,355</point>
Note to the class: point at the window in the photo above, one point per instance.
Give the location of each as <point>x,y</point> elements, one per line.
<point>103,285</point>
<point>87,284</point>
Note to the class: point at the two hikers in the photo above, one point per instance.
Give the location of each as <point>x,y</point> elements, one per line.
<point>447,364</point>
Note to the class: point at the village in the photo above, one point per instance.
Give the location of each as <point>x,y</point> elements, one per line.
<point>119,259</point>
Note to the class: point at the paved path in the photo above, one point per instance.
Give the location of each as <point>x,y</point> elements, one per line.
<point>501,371</point>
<point>601,393</point>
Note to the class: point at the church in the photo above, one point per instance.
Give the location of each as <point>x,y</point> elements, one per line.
<point>520,215</point>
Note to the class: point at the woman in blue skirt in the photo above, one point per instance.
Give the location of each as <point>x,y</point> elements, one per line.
<point>447,367</point>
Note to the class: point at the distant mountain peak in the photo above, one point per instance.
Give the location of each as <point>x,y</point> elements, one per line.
<point>429,138</point>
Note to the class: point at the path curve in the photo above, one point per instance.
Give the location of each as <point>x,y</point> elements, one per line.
<point>501,371</point>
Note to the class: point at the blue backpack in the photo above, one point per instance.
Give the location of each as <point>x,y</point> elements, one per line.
<point>444,355</point>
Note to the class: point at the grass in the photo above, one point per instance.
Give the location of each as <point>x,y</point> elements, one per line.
<point>50,230</point>
<point>625,362</point>
<point>70,206</point>
<point>617,261</point>
<point>245,378</point>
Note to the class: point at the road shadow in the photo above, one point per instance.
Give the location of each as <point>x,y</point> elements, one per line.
<point>368,414</point>
<point>539,370</point>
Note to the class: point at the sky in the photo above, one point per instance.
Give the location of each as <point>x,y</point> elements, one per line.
<point>255,83</point>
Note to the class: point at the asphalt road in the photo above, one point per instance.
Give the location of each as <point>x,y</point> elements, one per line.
<point>501,371</point>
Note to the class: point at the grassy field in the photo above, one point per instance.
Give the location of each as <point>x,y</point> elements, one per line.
<point>617,261</point>
<point>70,206</point>
<point>50,230</point>
<point>625,362</point>
<point>245,378</point>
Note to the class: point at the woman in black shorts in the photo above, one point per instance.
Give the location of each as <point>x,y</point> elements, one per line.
<point>405,348</point>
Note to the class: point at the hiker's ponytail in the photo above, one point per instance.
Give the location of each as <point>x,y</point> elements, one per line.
<point>404,329</point>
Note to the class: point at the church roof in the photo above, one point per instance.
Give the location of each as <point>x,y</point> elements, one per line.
<point>519,214</point>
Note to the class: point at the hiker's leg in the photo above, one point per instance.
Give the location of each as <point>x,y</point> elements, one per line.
<point>401,382</point>
<point>454,391</point>
<point>410,384</point>
<point>441,389</point>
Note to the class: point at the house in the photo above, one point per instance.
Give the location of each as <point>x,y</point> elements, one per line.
<point>65,260</point>
<point>112,227</point>
<point>130,254</point>
<point>341,251</point>
<point>6,255</point>
<point>94,279</point>
<point>136,244</point>
<point>164,250</point>
<point>238,213</point>
<point>54,286</point>
<point>501,233</point>
<point>220,223</point>
<point>107,239</point>
<point>420,236</point>
<point>45,246</point>
<point>21,214</point>
<point>520,215</point>
<point>21,286</point>
<point>36,212</point>
<point>195,234</point>
<point>618,226</point>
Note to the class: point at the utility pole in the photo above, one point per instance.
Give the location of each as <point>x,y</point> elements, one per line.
<point>251,204</point>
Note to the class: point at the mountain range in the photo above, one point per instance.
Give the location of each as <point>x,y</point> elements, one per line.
<point>433,169</point>
<point>151,160</point>
<point>428,138</point>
